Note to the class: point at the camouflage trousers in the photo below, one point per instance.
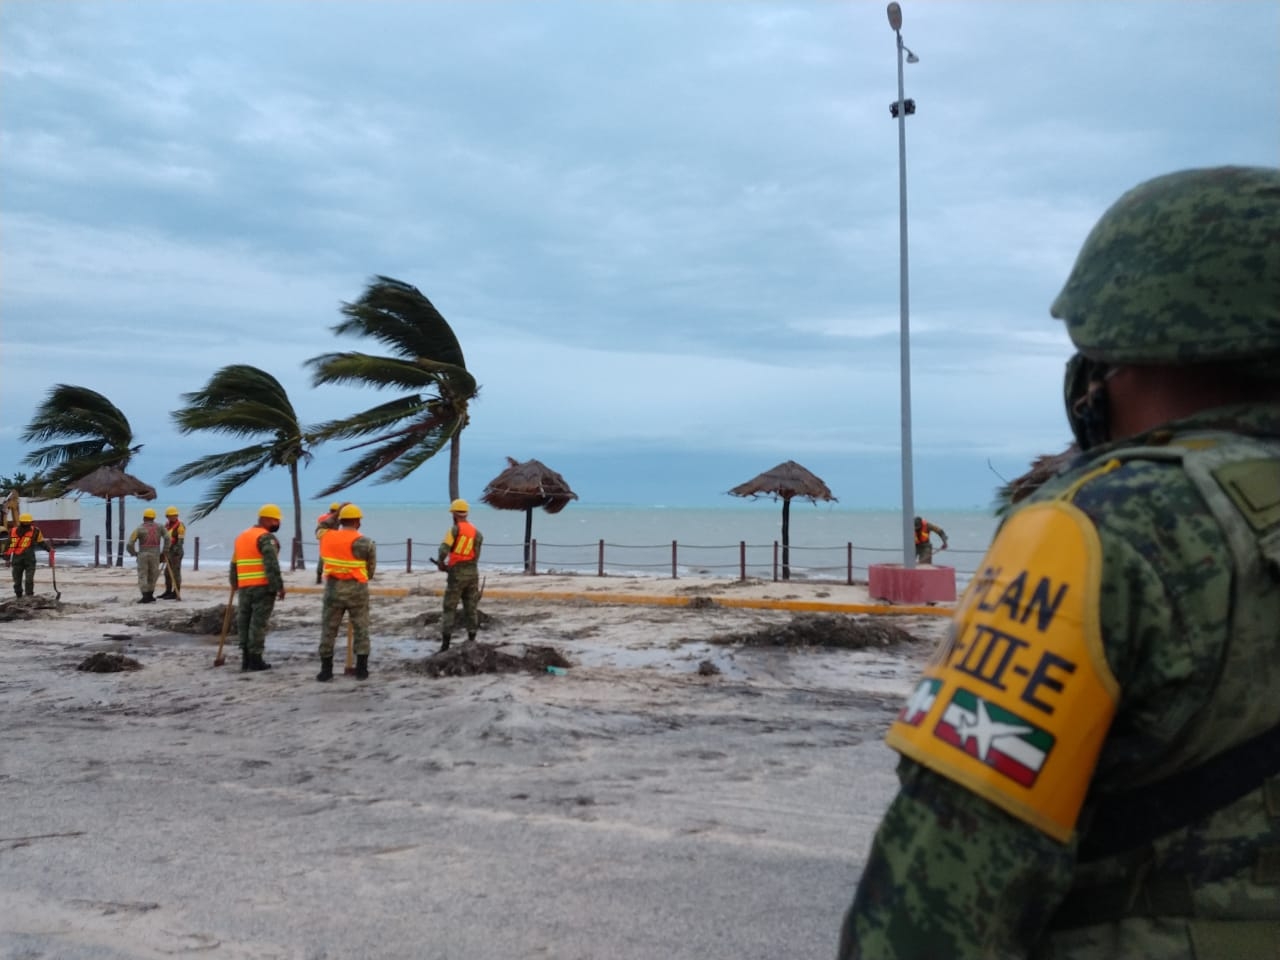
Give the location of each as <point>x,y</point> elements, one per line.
<point>924,553</point>
<point>173,581</point>
<point>252,617</point>
<point>148,570</point>
<point>24,573</point>
<point>464,585</point>
<point>349,597</point>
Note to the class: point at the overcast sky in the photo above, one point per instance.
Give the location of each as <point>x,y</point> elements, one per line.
<point>665,233</point>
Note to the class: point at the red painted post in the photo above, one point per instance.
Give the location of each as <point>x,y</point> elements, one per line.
<point>600,559</point>
<point>742,559</point>
<point>408,555</point>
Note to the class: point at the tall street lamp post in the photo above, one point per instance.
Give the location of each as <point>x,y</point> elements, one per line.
<point>900,109</point>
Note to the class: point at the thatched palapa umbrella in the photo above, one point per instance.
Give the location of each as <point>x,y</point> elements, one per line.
<point>524,486</point>
<point>785,481</point>
<point>113,483</point>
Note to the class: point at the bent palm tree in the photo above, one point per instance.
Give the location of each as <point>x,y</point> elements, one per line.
<point>427,359</point>
<point>97,435</point>
<point>249,403</point>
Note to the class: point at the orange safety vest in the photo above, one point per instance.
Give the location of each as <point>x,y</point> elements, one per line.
<point>177,531</point>
<point>922,535</point>
<point>247,559</point>
<point>19,545</point>
<point>464,544</point>
<point>339,562</point>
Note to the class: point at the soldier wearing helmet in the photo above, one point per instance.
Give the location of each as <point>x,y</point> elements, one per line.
<point>324,523</point>
<point>1091,765</point>
<point>350,559</point>
<point>20,553</point>
<point>147,542</point>
<point>255,573</point>
<point>172,566</point>
<point>459,557</point>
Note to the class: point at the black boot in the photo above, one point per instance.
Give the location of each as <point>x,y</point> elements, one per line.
<point>362,666</point>
<point>326,670</point>
<point>471,635</point>
<point>444,643</point>
<point>257,663</point>
<point>245,659</point>
<point>17,591</point>
<point>168,595</point>
<point>148,596</point>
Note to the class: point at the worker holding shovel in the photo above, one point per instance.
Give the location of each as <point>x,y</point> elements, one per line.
<point>177,531</point>
<point>24,540</point>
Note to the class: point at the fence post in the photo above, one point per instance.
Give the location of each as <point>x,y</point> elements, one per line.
<point>775,561</point>
<point>849,548</point>
<point>408,555</point>
<point>533,558</point>
<point>600,558</point>
<point>195,557</point>
<point>97,542</point>
<point>673,560</point>
<point>742,559</point>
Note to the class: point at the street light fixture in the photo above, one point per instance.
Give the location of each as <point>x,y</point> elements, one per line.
<point>900,110</point>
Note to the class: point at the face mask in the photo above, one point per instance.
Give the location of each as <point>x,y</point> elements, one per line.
<point>1085,391</point>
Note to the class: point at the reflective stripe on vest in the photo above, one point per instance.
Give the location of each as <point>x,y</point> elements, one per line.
<point>247,558</point>
<point>19,544</point>
<point>149,538</point>
<point>464,544</point>
<point>339,562</point>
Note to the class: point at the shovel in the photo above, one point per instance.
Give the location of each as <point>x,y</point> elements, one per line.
<point>168,568</point>
<point>53,572</point>
<point>219,660</point>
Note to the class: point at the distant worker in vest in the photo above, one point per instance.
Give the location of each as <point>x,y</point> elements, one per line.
<point>1091,763</point>
<point>350,559</point>
<point>255,573</point>
<point>924,539</point>
<point>459,556</point>
<point>324,523</point>
<point>147,542</point>
<point>177,531</point>
<point>20,554</point>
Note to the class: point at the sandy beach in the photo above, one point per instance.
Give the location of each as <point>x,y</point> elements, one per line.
<point>699,782</point>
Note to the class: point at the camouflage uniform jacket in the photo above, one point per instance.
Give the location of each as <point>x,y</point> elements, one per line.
<point>1188,612</point>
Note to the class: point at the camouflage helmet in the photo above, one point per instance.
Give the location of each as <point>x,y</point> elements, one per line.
<point>1182,269</point>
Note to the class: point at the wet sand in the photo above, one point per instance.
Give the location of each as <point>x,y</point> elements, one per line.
<point>633,807</point>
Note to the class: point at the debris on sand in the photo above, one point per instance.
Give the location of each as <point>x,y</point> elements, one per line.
<point>206,622</point>
<point>108,663</point>
<point>822,630</point>
<point>26,608</point>
<point>707,669</point>
<point>474,657</point>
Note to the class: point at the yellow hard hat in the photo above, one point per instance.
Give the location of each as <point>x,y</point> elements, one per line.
<point>350,512</point>
<point>170,511</point>
<point>459,506</point>
<point>271,511</point>
<point>335,506</point>
<point>148,514</point>
<point>25,518</point>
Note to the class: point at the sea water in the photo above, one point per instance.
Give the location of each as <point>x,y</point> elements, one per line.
<point>826,542</point>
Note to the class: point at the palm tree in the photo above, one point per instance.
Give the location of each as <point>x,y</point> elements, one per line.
<point>97,435</point>
<point>248,403</point>
<point>427,359</point>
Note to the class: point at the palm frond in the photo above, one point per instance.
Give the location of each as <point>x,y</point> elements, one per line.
<point>225,485</point>
<point>400,316</point>
<point>379,418</point>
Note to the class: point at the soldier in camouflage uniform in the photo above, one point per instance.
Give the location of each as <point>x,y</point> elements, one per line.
<point>177,531</point>
<point>1091,763</point>
<point>255,573</point>
<point>459,557</point>
<point>147,542</point>
<point>20,553</point>
<point>350,561</point>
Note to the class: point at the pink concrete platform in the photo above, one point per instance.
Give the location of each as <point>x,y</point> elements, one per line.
<point>923,584</point>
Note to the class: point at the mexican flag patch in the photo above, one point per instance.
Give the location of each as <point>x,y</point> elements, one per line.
<point>1004,741</point>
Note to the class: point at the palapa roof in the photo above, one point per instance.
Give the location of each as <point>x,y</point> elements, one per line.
<point>523,486</point>
<point>112,482</point>
<point>786,480</point>
<point>1045,467</point>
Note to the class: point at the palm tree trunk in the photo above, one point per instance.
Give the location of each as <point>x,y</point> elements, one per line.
<point>298,562</point>
<point>528,536</point>
<point>786,538</point>
<point>455,458</point>
<point>120,542</point>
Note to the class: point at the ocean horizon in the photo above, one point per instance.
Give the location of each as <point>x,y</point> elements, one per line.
<point>827,542</point>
